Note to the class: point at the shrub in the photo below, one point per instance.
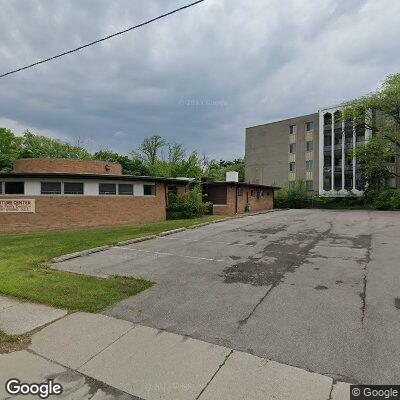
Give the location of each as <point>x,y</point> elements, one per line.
<point>293,197</point>
<point>189,206</point>
<point>388,200</point>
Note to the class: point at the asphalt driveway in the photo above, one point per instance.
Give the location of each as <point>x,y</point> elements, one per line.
<point>316,289</point>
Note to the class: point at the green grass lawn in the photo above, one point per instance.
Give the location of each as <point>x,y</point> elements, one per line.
<point>23,275</point>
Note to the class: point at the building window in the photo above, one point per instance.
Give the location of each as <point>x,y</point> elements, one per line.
<point>73,188</point>
<point>50,187</point>
<point>292,184</point>
<point>252,192</point>
<point>292,167</point>
<point>309,126</point>
<point>1,187</point>
<point>240,192</point>
<point>149,190</point>
<point>125,189</point>
<point>309,145</point>
<point>292,129</point>
<point>14,188</point>
<point>310,185</point>
<point>107,188</point>
<point>309,165</point>
<point>292,148</point>
<point>391,183</point>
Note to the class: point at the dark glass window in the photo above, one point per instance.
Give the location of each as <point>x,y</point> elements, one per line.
<point>292,148</point>
<point>309,165</point>
<point>73,188</point>
<point>14,188</point>
<point>292,129</point>
<point>309,185</point>
<point>149,190</point>
<point>1,187</point>
<point>309,126</point>
<point>172,190</point>
<point>50,188</point>
<point>240,192</point>
<point>309,145</point>
<point>125,189</point>
<point>292,167</point>
<point>107,188</point>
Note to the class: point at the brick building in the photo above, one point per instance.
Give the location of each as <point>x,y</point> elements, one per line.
<point>231,197</point>
<point>43,194</point>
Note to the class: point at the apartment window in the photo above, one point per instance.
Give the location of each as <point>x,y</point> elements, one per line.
<point>309,165</point>
<point>292,148</point>
<point>309,145</point>
<point>310,126</point>
<point>292,167</point>
<point>240,192</point>
<point>73,188</point>
<point>309,185</point>
<point>125,189</point>
<point>292,129</point>
<point>392,182</point>
<point>107,188</point>
<point>14,188</point>
<point>50,187</point>
<point>149,190</point>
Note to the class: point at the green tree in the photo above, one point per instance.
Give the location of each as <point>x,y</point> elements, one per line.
<point>130,165</point>
<point>36,146</point>
<point>10,147</point>
<point>217,169</point>
<point>149,152</point>
<point>379,112</point>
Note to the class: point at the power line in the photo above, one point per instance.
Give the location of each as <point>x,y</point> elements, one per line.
<point>102,39</point>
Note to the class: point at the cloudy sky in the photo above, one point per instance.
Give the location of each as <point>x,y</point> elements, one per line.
<point>199,77</point>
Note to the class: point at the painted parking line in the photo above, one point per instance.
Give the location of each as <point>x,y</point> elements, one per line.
<point>208,241</point>
<point>167,254</point>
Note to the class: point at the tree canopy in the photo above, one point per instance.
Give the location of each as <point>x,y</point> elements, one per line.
<point>378,112</point>
<point>154,157</point>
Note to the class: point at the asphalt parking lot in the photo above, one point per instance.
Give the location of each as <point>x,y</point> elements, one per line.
<point>317,289</point>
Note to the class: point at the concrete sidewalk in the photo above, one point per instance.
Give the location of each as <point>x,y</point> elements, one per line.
<point>17,317</point>
<point>135,361</point>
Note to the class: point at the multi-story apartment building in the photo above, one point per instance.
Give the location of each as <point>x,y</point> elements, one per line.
<point>316,148</point>
<point>284,151</point>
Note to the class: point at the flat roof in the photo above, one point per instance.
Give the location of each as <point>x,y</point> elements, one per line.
<point>77,176</point>
<point>283,120</point>
<point>255,185</point>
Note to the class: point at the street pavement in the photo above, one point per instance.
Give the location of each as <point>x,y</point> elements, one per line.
<point>314,289</point>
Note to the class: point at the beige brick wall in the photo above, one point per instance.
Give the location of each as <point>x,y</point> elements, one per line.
<point>67,165</point>
<point>68,212</point>
<point>267,151</point>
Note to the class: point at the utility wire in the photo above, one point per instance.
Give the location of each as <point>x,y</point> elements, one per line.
<point>102,39</point>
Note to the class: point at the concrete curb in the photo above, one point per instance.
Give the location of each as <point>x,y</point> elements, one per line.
<point>137,240</point>
<point>79,254</point>
<point>149,237</point>
<point>166,233</point>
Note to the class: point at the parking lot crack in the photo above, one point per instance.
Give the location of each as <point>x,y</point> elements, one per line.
<point>244,321</point>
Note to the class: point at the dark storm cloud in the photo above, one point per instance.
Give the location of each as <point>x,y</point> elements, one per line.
<point>199,77</point>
